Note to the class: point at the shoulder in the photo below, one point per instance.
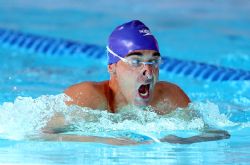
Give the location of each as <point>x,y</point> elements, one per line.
<point>87,94</point>
<point>173,93</point>
<point>83,87</point>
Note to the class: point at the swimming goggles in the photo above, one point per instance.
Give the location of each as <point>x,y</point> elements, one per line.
<point>136,62</point>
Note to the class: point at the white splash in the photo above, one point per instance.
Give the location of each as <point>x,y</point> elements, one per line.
<point>210,114</point>
<point>27,116</point>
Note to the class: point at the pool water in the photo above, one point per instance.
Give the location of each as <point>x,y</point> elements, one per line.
<point>31,85</point>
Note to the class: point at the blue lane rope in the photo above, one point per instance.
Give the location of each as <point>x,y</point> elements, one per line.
<point>51,46</point>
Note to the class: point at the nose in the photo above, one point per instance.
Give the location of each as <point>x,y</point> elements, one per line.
<point>148,71</point>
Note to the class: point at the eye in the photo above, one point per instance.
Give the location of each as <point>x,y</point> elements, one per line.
<point>155,61</point>
<point>135,62</point>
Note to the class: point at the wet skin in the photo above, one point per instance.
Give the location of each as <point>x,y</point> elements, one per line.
<point>128,85</point>
<point>124,86</point>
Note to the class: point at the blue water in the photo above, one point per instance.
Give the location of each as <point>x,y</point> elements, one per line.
<point>31,85</point>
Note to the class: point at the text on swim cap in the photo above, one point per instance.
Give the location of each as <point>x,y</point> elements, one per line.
<point>145,32</point>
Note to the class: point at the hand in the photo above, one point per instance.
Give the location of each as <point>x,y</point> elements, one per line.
<point>209,135</point>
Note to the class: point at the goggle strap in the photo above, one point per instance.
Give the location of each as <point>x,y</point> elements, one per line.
<point>116,55</point>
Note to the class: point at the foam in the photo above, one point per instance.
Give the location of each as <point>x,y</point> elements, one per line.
<point>26,116</point>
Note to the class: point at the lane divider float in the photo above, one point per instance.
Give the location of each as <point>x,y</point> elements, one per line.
<point>61,47</point>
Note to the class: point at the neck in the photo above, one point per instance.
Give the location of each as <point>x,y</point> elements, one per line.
<point>118,99</point>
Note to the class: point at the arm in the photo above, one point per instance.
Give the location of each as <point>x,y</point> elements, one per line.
<point>208,135</point>
<point>181,100</point>
<point>79,138</point>
<point>57,126</point>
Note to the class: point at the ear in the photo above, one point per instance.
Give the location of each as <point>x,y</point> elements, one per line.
<point>112,69</point>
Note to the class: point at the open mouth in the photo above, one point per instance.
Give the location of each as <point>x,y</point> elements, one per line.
<point>144,91</point>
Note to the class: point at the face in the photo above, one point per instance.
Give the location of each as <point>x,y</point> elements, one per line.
<point>137,82</point>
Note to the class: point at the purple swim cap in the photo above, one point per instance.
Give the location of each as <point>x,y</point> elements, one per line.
<point>128,37</point>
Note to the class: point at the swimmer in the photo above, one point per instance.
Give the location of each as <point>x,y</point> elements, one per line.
<point>133,63</point>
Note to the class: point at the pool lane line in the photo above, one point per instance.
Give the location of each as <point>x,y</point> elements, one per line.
<point>60,47</point>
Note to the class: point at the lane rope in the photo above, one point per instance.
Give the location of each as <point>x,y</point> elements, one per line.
<point>61,47</point>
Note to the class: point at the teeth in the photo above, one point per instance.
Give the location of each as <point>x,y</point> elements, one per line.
<point>144,94</point>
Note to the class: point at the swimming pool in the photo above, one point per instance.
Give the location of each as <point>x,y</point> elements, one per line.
<point>31,84</point>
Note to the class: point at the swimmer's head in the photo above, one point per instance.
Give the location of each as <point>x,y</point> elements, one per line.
<point>128,37</point>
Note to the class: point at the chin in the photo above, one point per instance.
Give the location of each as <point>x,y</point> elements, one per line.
<point>141,102</point>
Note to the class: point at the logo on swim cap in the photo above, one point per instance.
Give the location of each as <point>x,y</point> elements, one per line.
<point>128,37</point>
<point>145,32</point>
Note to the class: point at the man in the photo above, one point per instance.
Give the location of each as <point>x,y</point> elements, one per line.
<point>133,64</point>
